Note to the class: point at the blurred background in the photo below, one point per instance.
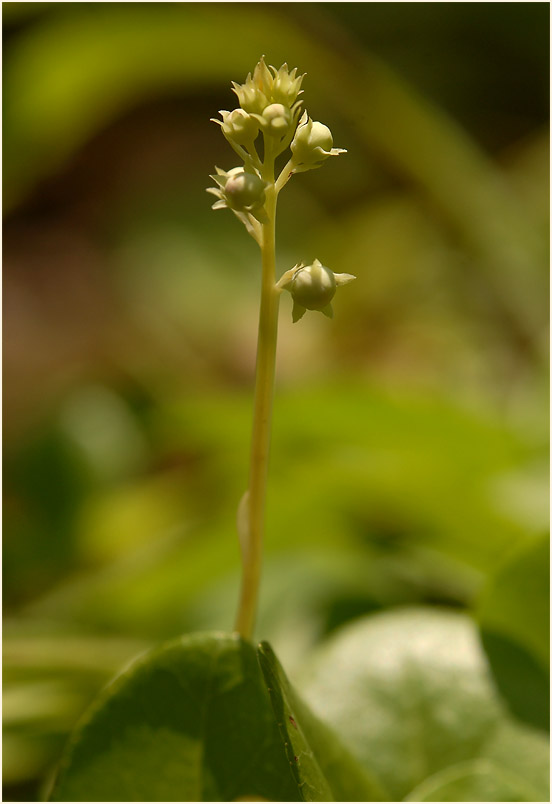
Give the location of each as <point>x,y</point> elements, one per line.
<point>410,433</point>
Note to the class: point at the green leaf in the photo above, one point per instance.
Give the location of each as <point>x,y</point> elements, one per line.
<point>196,720</point>
<point>524,753</point>
<point>190,721</point>
<point>316,755</point>
<point>409,693</point>
<point>514,620</point>
<point>514,766</point>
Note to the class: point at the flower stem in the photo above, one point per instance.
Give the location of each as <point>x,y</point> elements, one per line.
<point>264,392</point>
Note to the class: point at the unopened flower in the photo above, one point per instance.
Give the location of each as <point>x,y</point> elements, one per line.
<point>286,85</point>
<point>312,144</point>
<point>239,190</point>
<point>275,119</point>
<point>245,191</point>
<point>312,287</point>
<point>238,126</point>
<point>255,94</point>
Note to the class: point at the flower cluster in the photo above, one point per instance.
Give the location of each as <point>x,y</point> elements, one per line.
<point>269,105</point>
<point>268,86</point>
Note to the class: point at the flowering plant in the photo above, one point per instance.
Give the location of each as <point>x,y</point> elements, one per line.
<point>415,714</point>
<point>270,105</point>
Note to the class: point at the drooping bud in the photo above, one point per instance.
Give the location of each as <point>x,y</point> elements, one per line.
<point>312,287</point>
<point>312,144</point>
<point>244,191</point>
<point>240,191</point>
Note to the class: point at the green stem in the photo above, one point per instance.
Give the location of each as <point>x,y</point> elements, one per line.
<point>264,392</point>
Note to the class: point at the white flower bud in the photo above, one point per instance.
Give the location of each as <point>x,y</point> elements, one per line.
<point>254,95</point>
<point>244,191</point>
<point>240,190</point>
<point>275,119</point>
<point>286,85</point>
<point>313,286</point>
<point>312,144</point>
<point>239,126</point>
<point>251,94</point>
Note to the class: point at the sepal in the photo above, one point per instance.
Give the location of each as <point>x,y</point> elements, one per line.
<point>298,311</point>
<point>343,279</point>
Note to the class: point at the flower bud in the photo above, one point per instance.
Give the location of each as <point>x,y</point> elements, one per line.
<point>251,99</point>
<point>267,86</point>
<point>275,119</point>
<point>254,94</point>
<point>239,126</point>
<point>244,191</point>
<point>313,286</point>
<point>312,144</point>
<point>240,190</point>
<point>286,85</point>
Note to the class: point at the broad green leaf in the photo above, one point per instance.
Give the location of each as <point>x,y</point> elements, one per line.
<point>409,693</point>
<point>314,752</point>
<point>513,766</point>
<point>514,620</point>
<point>524,753</point>
<point>196,720</point>
<point>190,721</point>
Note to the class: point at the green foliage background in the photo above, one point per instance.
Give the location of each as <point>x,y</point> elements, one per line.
<point>410,435</point>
